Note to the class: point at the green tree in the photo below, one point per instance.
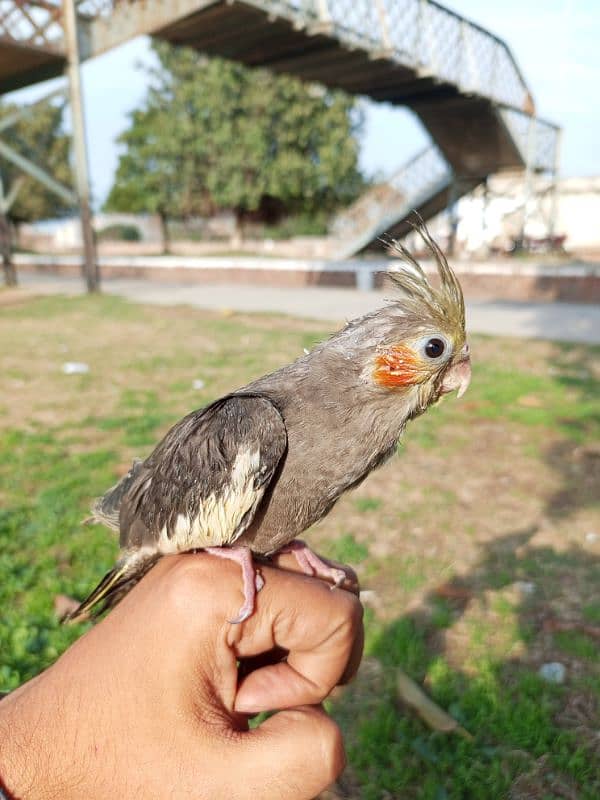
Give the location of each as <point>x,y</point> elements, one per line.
<point>39,136</point>
<point>213,134</point>
<point>150,174</point>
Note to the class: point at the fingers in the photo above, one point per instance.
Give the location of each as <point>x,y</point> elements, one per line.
<point>191,597</point>
<point>320,629</point>
<point>294,754</point>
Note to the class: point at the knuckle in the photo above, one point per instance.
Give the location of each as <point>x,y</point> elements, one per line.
<point>351,610</point>
<point>184,581</point>
<point>332,749</point>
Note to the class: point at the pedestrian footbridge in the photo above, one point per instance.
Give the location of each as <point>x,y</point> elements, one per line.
<point>461,80</point>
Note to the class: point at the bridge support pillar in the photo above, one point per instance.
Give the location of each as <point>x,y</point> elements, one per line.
<point>91,272</point>
<point>453,199</point>
<point>554,197</point>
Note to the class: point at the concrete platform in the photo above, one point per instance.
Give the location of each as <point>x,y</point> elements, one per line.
<point>568,322</point>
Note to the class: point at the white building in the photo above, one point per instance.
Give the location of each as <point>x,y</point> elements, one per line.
<point>493,219</point>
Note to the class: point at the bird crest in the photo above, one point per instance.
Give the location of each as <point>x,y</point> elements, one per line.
<point>445,302</point>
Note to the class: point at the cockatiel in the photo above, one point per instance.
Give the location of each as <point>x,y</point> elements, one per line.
<point>249,472</point>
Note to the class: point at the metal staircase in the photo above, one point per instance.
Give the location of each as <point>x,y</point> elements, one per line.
<point>461,80</point>
<point>428,185</point>
<point>422,184</point>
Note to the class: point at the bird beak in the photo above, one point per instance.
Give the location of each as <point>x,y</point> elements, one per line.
<point>459,374</point>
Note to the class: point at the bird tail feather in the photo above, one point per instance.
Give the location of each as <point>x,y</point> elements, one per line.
<point>106,509</point>
<point>113,586</point>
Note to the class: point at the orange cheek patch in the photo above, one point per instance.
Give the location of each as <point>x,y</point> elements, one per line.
<point>397,367</point>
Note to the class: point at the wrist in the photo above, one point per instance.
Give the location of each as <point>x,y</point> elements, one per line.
<point>29,743</point>
<point>16,756</point>
<point>4,793</point>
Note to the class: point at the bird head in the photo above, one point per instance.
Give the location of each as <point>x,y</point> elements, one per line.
<point>425,347</point>
<point>414,349</point>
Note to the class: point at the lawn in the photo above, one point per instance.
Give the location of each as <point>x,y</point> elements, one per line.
<point>478,545</point>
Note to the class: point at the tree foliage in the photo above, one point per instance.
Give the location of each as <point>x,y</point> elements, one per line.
<point>40,137</point>
<point>213,134</point>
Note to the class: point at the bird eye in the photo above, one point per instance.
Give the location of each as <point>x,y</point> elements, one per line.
<point>434,348</point>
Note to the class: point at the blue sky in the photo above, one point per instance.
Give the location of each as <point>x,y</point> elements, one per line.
<point>555,42</point>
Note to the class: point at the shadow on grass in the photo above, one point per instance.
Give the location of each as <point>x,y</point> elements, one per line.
<point>532,739</point>
<point>577,458</point>
<point>477,642</point>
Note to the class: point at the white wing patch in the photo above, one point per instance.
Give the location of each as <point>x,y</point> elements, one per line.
<point>219,517</point>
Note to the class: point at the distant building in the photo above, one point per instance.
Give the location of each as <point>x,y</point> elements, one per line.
<point>489,221</point>
<point>64,235</point>
<point>493,219</point>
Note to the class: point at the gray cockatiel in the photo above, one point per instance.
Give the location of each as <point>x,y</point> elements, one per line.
<point>251,471</point>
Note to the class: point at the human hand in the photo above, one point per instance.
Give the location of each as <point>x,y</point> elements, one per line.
<point>149,702</point>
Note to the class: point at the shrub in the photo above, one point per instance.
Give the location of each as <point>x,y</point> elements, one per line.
<point>120,233</point>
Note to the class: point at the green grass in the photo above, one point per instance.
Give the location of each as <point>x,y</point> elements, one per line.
<point>366,504</point>
<point>43,542</point>
<point>591,612</point>
<point>347,550</point>
<point>540,400</point>
<point>577,644</point>
<point>509,711</point>
<point>496,489</point>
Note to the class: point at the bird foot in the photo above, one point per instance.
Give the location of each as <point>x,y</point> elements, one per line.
<point>253,580</point>
<point>311,564</point>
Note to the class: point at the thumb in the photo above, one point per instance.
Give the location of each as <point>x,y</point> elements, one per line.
<point>293,755</point>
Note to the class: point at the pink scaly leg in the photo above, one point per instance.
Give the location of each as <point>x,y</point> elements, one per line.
<point>310,563</point>
<point>253,581</point>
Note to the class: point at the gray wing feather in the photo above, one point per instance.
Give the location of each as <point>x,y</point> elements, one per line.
<point>203,483</point>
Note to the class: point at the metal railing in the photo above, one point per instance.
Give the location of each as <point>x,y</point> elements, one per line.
<point>38,23</point>
<point>34,23</point>
<point>420,34</point>
<point>416,179</point>
<point>536,139</point>
<point>426,174</point>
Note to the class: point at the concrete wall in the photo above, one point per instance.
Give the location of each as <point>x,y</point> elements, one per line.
<point>496,221</point>
<point>484,280</point>
<point>65,234</point>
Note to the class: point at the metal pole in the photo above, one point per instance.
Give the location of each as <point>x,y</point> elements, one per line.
<point>385,29</point>
<point>452,215</point>
<point>485,204</point>
<point>24,111</point>
<point>29,168</point>
<point>10,273</point>
<point>91,272</point>
<point>528,179</point>
<point>555,187</point>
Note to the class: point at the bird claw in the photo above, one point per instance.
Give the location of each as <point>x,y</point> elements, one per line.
<point>259,581</point>
<point>311,564</point>
<point>243,614</point>
<point>339,576</point>
<point>253,580</point>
